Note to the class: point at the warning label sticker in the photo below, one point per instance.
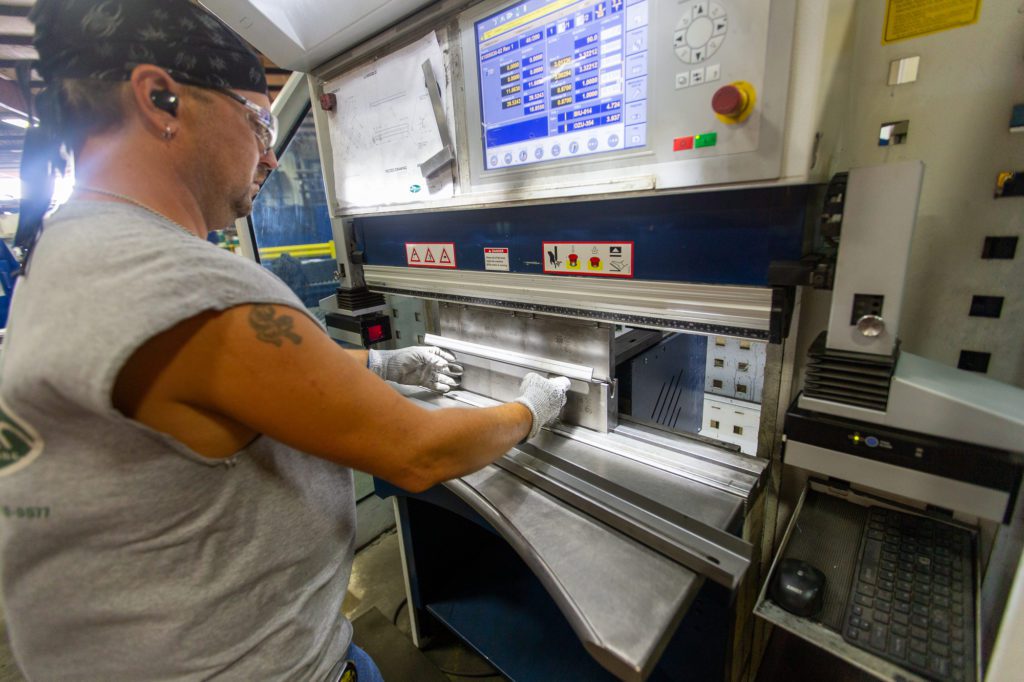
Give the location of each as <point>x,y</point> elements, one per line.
<point>430,255</point>
<point>496,258</point>
<point>595,259</point>
<point>912,18</point>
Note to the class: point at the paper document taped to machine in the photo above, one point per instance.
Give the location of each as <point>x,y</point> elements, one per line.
<point>384,127</point>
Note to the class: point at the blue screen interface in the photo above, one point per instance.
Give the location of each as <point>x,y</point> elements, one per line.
<point>562,78</point>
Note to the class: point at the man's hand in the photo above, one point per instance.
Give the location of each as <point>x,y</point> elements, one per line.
<point>545,398</point>
<point>425,366</point>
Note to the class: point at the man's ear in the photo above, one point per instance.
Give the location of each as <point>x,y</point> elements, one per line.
<point>156,97</point>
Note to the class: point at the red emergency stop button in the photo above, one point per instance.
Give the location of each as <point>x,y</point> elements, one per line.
<point>728,101</point>
<point>734,102</point>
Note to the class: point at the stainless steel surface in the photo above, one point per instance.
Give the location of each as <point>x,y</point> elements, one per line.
<point>539,364</point>
<point>517,343</point>
<point>673,306</point>
<point>622,599</point>
<point>704,549</point>
<point>653,489</point>
<point>674,455</point>
<point>700,463</point>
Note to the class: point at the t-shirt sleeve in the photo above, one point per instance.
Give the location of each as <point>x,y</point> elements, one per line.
<point>120,286</point>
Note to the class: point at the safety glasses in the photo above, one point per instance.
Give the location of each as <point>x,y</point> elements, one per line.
<point>264,123</point>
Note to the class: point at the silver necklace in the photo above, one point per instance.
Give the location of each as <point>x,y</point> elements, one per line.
<point>141,205</point>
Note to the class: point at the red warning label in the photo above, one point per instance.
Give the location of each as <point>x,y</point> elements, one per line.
<point>424,255</point>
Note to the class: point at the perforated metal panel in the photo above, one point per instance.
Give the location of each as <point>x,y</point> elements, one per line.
<point>959,112</point>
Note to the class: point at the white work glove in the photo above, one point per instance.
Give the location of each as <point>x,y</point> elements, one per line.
<point>425,366</point>
<point>545,398</point>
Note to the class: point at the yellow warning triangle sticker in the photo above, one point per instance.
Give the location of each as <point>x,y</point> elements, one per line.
<point>444,256</point>
<point>429,258</point>
<point>415,257</point>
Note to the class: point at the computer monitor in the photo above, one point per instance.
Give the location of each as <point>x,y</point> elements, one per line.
<point>561,78</point>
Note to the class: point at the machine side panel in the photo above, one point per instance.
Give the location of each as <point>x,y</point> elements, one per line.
<point>958,112</point>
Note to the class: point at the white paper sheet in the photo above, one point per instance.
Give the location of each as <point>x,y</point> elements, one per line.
<point>384,127</point>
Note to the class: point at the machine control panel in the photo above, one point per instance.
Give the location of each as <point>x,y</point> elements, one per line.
<point>692,91</point>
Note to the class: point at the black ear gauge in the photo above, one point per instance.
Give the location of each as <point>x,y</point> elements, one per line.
<point>165,100</point>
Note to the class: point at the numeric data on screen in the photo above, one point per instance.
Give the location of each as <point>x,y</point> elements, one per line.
<point>562,78</point>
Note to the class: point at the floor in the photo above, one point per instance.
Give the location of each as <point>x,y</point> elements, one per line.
<point>376,605</point>
<point>377,583</point>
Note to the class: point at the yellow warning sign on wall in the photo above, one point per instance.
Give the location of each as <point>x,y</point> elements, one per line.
<point>912,18</point>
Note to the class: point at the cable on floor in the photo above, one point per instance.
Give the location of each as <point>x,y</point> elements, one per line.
<point>454,673</point>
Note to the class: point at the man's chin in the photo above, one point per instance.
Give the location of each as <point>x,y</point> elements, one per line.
<point>239,209</point>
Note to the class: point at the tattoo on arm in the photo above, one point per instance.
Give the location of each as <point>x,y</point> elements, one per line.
<point>271,327</point>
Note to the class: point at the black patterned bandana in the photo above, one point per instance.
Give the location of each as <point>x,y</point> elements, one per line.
<point>105,39</point>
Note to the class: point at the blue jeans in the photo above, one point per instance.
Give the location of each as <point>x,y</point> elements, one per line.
<point>366,669</point>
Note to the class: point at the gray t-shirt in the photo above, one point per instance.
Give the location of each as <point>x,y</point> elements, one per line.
<point>124,555</point>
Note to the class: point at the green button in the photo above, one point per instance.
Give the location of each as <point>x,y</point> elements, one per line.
<point>705,140</point>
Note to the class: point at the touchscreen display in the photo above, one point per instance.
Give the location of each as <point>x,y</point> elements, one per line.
<point>562,78</point>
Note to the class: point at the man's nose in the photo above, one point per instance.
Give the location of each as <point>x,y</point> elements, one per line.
<point>269,159</point>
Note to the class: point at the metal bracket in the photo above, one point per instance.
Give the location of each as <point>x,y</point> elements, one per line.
<point>441,160</point>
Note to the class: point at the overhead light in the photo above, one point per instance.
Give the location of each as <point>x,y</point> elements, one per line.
<point>16,122</point>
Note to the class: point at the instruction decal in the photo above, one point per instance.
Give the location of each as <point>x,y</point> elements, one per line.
<point>496,258</point>
<point>594,259</point>
<point>912,18</point>
<point>430,255</point>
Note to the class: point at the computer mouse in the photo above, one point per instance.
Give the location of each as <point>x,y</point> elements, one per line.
<point>798,587</point>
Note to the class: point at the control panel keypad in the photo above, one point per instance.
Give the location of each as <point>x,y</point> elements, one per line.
<point>700,31</point>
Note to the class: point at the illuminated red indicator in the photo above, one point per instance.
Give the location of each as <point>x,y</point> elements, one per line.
<point>375,332</point>
<point>681,144</point>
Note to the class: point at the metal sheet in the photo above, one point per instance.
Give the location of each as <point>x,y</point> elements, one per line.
<point>532,362</point>
<point>622,599</point>
<point>707,550</point>
<point>572,345</point>
<point>657,495</point>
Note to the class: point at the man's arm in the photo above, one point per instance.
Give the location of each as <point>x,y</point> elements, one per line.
<point>359,356</point>
<point>225,377</point>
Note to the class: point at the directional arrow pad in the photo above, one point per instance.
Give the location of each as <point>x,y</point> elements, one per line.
<point>700,31</point>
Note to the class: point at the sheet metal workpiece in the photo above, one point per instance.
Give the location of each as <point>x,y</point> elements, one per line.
<point>590,512</point>
<point>590,571</point>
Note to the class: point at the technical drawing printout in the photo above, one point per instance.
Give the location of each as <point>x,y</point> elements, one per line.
<point>384,127</point>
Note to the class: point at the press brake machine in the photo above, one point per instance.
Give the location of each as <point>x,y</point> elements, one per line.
<point>606,190</point>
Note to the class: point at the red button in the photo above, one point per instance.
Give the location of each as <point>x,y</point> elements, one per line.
<point>728,101</point>
<point>682,143</point>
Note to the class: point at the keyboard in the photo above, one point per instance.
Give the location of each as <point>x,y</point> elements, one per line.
<point>912,600</point>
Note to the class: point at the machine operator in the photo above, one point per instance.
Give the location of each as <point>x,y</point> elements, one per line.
<point>178,433</point>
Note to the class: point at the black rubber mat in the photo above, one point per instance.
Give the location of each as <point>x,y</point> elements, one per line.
<point>394,654</point>
<point>827,535</point>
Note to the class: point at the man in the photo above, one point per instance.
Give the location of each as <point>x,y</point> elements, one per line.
<point>175,497</point>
